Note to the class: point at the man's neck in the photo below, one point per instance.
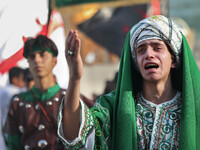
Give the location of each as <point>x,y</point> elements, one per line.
<point>158,93</point>
<point>44,83</point>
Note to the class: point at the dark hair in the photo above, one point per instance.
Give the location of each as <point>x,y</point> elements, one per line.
<point>15,72</point>
<point>42,42</point>
<point>174,59</point>
<point>176,73</point>
<point>28,47</point>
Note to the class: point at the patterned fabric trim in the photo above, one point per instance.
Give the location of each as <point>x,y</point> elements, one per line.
<point>169,103</point>
<point>87,124</point>
<point>158,125</point>
<point>99,131</point>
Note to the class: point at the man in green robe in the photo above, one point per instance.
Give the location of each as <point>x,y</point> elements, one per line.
<point>156,104</point>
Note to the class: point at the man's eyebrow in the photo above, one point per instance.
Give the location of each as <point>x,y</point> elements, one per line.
<point>156,43</point>
<point>141,45</point>
<point>152,43</point>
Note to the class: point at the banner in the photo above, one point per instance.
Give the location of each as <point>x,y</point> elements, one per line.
<point>60,3</point>
<point>109,26</point>
<point>22,19</point>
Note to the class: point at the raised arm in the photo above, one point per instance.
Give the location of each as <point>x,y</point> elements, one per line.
<point>71,116</point>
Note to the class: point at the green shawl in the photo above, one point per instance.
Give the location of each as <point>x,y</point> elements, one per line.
<point>124,134</point>
<point>114,113</point>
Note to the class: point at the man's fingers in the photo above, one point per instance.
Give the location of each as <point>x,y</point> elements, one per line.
<point>70,39</point>
<point>70,32</point>
<point>77,46</point>
<point>72,46</point>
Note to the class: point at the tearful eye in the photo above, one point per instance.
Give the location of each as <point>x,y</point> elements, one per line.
<point>157,48</point>
<point>140,51</point>
<point>150,66</point>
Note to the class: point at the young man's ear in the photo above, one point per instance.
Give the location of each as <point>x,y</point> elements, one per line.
<point>55,60</point>
<point>173,65</point>
<point>174,62</point>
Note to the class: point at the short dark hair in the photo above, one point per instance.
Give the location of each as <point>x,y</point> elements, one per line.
<point>174,60</point>
<point>42,42</point>
<point>15,72</point>
<point>28,47</point>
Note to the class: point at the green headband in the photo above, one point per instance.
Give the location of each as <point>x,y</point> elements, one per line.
<point>37,48</point>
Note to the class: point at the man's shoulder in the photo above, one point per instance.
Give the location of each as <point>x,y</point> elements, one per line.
<point>21,96</point>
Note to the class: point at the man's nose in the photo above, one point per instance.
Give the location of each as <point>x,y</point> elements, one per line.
<point>149,52</point>
<point>37,58</point>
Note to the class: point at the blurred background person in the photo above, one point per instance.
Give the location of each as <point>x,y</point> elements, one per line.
<point>110,85</point>
<point>16,85</point>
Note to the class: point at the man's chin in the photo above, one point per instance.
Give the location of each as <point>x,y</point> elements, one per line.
<point>152,78</point>
<point>39,75</point>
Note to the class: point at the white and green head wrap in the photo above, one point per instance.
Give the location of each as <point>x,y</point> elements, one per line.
<point>157,27</point>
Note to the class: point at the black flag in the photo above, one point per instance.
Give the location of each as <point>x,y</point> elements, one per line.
<point>109,26</point>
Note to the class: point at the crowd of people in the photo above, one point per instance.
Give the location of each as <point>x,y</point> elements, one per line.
<point>152,103</point>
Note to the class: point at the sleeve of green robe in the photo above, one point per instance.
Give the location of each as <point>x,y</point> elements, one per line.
<point>98,117</point>
<point>102,114</point>
<point>86,127</point>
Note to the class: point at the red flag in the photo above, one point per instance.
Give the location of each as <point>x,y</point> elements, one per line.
<point>25,20</point>
<point>155,7</point>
